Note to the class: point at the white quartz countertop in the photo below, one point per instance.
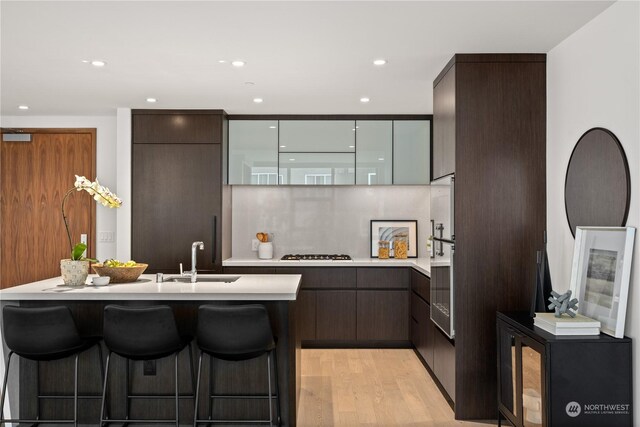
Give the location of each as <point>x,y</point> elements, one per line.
<point>250,287</point>
<point>420,264</point>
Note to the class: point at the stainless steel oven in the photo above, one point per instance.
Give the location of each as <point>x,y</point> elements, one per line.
<point>443,260</point>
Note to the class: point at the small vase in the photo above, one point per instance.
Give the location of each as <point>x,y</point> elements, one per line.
<point>74,273</point>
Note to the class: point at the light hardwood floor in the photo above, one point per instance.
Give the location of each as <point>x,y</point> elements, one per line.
<point>370,387</point>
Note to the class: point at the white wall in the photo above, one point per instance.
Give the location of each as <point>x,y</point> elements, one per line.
<point>106,161</point>
<point>323,219</point>
<point>593,80</point>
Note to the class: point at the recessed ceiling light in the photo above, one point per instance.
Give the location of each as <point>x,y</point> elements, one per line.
<point>364,100</point>
<point>85,61</point>
<point>249,83</point>
<point>152,100</point>
<point>292,160</point>
<point>379,61</point>
<point>354,129</point>
<point>237,63</point>
<point>23,107</point>
<point>257,100</point>
<point>381,158</point>
<point>222,61</point>
<point>272,127</point>
<point>98,63</point>
<point>352,146</point>
<point>283,146</point>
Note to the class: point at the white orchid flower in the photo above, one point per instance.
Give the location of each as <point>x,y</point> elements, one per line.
<point>100,194</point>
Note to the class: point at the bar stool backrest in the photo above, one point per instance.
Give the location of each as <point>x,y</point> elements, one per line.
<point>238,332</point>
<point>37,332</point>
<point>141,332</point>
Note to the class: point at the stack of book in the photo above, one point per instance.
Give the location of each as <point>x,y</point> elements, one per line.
<point>566,325</point>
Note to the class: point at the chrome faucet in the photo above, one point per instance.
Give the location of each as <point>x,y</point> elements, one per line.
<point>193,274</point>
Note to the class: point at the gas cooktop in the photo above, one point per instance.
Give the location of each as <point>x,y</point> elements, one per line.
<point>316,257</point>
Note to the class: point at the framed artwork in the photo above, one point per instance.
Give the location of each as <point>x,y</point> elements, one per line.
<point>391,230</point>
<point>600,274</point>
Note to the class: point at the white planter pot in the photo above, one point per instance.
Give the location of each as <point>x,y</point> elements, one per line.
<point>74,273</point>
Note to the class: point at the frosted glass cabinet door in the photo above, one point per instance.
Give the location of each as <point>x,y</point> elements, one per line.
<point>317,168</point>
<point>253,152</point>
<point>374,152</point>
<point>328,136</point>
<point>411,151</point>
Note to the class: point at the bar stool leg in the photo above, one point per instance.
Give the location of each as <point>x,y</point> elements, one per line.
<point>75,392</point>
<point>177,395</point>
<point>275,374</point>
<point>37,390</point>
<point>126,406</point>
<point>211,388</point>
<point>101,361</point>
<point>197,396</point>
<point>193,377</point>
<point>104,390</point>
<point>4,385</point>
<point>269,383</point>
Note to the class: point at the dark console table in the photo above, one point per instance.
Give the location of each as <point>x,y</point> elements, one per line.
<point>556,381</point>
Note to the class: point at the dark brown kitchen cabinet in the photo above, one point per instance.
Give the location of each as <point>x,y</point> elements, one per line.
<point>383,277</point>
<point>177,127</point>
<point>490,130</point>
<point>382,316</point>
<point>323,277</point>
<point>177,191</point>
<point>421,285</point>
<point>444,362</point>
<point>423,329</point>
<point>306,309</point>
<point>335,315</point>
<point>444,125</point>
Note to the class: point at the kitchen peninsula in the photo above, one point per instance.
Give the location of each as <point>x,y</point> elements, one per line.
<point>277,292</point>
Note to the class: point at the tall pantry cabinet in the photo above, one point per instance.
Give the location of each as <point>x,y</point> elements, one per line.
<point>490,130</point>
<point>178,188</point>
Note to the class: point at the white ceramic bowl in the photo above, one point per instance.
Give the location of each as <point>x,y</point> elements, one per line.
<point>100,280</point>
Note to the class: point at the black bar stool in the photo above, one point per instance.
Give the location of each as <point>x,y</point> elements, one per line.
<point>43,335</point>
<point>143,333</point>
<point>236,333</point>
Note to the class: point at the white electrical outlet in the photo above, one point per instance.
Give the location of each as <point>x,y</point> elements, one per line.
<point>254,244</point>
<point>84,239</point>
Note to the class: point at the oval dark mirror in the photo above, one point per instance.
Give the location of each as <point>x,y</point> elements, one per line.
<point>597,187</point>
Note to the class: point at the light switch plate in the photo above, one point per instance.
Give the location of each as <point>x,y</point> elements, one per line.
<point>254,244</point>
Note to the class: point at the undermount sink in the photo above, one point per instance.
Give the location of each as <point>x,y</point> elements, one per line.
<point>203,278</point>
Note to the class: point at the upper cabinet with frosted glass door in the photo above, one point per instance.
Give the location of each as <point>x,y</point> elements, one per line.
<point>411,152</point>
<point>317,152</point>
<point>355,150</point>
<point>253,152</point>
<point>374,158</point>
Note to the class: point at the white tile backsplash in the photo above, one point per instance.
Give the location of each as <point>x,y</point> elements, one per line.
<point>323,219</point>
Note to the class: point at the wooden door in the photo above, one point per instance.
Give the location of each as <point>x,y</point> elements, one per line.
<point>34,177</point>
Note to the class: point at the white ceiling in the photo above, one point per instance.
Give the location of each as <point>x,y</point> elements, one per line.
<point>304,57</point>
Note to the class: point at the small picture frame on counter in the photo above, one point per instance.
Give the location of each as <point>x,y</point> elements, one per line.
<point>394,231</point>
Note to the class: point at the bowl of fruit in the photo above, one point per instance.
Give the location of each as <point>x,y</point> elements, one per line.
<point>120,272</point>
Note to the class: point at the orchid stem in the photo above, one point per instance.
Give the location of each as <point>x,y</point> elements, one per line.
<point>64,217</point>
